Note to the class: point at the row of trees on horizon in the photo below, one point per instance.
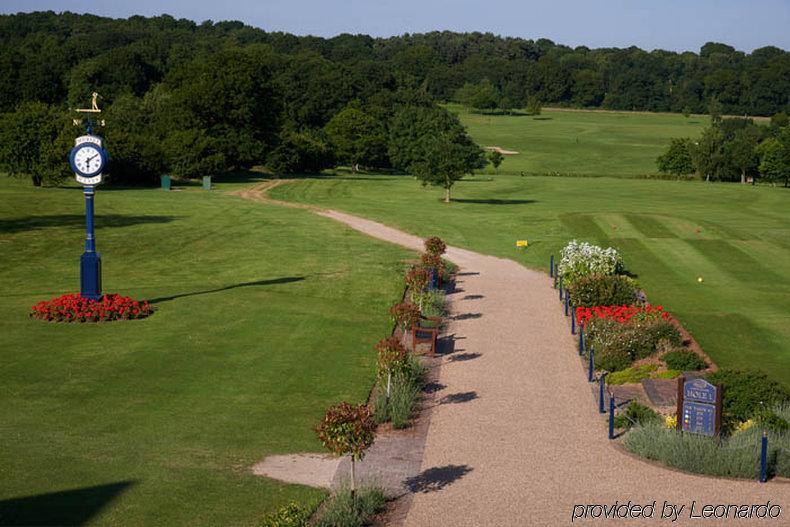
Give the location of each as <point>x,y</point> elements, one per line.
<point>192,99</point>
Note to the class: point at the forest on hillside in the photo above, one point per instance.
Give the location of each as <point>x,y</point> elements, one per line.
<point>192,99</point>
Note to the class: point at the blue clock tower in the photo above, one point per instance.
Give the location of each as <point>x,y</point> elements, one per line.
<point>88,159</point>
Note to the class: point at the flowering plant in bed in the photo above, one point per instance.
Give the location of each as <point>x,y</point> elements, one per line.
<point>74,308</point>
<point>581,259</point>
<point>621,314</point>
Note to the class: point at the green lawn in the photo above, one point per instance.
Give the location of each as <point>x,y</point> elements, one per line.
<point>265,316</point>
<point>736,237</point>
<point>620,144</point>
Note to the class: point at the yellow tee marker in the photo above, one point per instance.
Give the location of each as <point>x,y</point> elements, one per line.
<point>522,243</point>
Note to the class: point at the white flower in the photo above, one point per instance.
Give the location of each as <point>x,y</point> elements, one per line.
<point>581,258</point>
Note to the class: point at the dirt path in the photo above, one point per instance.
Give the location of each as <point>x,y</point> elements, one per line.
<point>518,439</point>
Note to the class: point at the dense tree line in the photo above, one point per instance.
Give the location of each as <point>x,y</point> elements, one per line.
<point>733,149</point>
<point>192,99</point>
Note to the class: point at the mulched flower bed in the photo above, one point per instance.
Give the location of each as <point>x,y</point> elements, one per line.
<point>74,308</point>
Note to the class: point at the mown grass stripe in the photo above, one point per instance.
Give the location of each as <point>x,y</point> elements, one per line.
<point>732,260</point>
<point>649,226</point>
<point>583,227</point>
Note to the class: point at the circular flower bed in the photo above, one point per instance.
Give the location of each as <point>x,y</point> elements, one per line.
<point>74,308</point>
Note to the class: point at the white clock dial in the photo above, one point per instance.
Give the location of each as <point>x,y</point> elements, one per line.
<point>88,160</point>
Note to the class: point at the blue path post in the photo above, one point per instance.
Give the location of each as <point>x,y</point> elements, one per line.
<point>555,278</point>
<point>90,261</point>
<point>560,288</point>
<point>581,339</point>
<point>573,320</point>
<point>611,416</point>
<point>566,303</point>
<point>601,395</point>
<point>551,266</point>
<point>764,458</point>
<point>591,367</point>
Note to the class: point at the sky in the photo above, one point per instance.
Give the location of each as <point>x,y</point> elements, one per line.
<point>677,25</point>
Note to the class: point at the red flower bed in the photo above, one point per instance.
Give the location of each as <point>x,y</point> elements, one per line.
<point>621,314</point>
<point>74,308</point>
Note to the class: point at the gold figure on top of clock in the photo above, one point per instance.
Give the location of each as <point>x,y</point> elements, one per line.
<point>94,105</point>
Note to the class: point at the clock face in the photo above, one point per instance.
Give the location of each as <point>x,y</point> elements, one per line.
<point>89,160</point>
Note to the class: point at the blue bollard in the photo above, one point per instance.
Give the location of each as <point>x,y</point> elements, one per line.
<point>566,304</point>
<point>601,396</point>
<point>551,266</point>
<point>573,320</point>
<point>555,278</point>
<point>581,339</point>
<point>611,417</point>
<point>591,367</point>
<point>764,458</point>
<point>560,288</point>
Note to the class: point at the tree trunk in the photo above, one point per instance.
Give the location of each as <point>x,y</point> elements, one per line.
<point>447,195</point>
<point>743,176</point>
<point>37,181</point>
<point>356,167</point>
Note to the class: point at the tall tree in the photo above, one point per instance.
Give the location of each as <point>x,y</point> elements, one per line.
<point>677,159</point>
<point>357,138</point>
<point>774,154</point>
<point>447,158</point>
<point>34,142</point>
<point>740,150</point>
<point>708,154</point>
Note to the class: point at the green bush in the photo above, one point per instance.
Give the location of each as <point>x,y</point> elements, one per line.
<point>683,360</point>
<point>405,390</point>
<point>659,332</point>
<point>341,510</point>
<point>603,290</point>
<point>782,442</point>
<point>636,414</point>
<point>448,270</point>
<point>617,344</point>
<point>289,515</point>
<point>434,303</point>
<point>772,421</point>
<point>631,375</point>
<point>403,398</point>
<point>737,456</point>
<point>747,392</point>
<point>381,412</point>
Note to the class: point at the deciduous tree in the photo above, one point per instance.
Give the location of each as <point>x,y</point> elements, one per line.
<point>35,140</point>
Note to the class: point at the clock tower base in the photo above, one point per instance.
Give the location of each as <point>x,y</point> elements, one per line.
<point>90,276</point>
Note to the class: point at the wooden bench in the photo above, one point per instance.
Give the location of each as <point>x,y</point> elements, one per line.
<point>425,332</point>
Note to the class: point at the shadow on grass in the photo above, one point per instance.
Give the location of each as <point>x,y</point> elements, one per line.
<point>284,280</point>
<point>69,507</point>
<point>493,201</point>
<point>31,223</point>
<point>436,478</point>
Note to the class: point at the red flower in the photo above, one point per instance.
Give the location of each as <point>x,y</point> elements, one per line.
<point>74,308</point>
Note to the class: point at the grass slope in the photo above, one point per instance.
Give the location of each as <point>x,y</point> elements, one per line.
<point>736,237</point>
<point>620,144</point>
<point>265,316</point>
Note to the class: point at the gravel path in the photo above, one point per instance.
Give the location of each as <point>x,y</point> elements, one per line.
<point>518,439</point>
